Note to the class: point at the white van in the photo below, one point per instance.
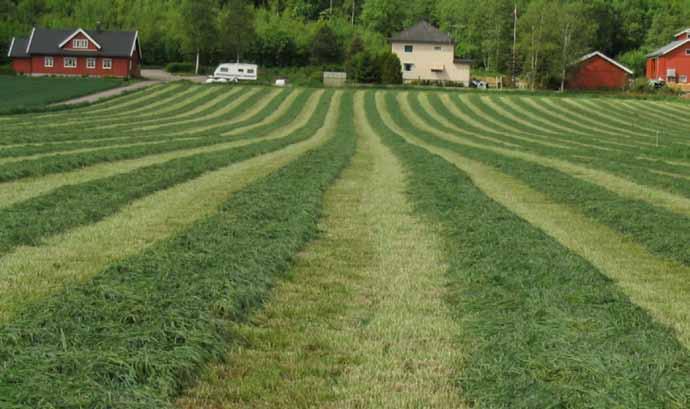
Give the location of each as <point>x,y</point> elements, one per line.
<point>234,72</point>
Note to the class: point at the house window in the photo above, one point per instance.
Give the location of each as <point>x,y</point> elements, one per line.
<point>409,67</point>
<point>683,79</point>
<point>409,48</point>
<point>80,43</point>
<point>70,62</point>
<point>107,63</point>
<point>91,63</point>
<point>687,51</point>
<point>48,62</point>
<point>438,48</point>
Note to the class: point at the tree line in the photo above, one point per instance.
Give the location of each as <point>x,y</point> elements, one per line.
<point>534,39</point>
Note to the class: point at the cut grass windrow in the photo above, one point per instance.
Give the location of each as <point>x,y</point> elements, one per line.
<point>156,318</point>
<point>30,222</point>
<point>17,191</point>
<point>539,325</point>
<point>30,273</point>
<point>63,163</point>
<point>361,322</point>
<point>616,184</point>
<point>661,230</point>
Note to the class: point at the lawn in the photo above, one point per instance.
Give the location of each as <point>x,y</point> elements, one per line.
<point>29,93</point>
<point>193,246</point>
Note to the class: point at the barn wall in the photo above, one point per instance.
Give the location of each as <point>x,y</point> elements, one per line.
<point>676,59</point>
<point>120,67</point>
<point>21,65</point>
<point>597,73</point>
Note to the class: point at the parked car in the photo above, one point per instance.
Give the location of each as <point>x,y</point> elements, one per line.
<point>234,72</point>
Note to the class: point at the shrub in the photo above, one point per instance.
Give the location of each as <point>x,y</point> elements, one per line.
<point>364,68</point>
<point>6,70</point>
<point>390,68</point>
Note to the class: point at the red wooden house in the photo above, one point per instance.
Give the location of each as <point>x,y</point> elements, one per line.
<point>77,53</point>
<point>671,63</point>
<point>597,71</point>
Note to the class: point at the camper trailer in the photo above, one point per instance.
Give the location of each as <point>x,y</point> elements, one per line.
<point>234,72</point>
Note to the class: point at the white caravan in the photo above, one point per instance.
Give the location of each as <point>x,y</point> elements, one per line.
<point>235,72</point>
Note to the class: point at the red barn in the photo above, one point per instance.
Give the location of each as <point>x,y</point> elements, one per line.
<point>77,52</point>
<point>597,71</point>
<point>671,63</point>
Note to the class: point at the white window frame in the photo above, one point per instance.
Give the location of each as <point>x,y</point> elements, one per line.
<point>65,59</point>
<point>91,63</point>
<point>48,61</point>
<point>80,43</point>
<point>683,79</point>
<point>107,63</point>
<point>411,47</point>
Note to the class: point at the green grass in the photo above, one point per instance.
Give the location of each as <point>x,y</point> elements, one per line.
<point>24,93</point>
<point>156,318</point>
<point>28,222</point>
<point>541,326</point>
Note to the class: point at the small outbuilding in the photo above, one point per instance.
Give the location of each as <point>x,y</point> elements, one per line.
<point>596,71</point>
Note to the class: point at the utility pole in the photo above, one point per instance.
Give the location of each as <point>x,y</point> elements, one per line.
<point>330,11</point>
<point>515,21</point>
<point>353,12</point>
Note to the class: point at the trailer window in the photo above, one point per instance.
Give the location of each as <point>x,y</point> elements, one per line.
<point>240,70</point>
<point>250,71</point>
<point>223,69</point>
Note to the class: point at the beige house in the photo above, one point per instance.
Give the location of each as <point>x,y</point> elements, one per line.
<point>426,53</point>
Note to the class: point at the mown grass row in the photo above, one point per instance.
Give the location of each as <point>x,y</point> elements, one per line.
<point>249,100</point>
<point>62,163</point>
<point>30,221</point>
<point>621,163</point>
<point>663,232</point>
<point>142,329</point>
<point>539,326</point>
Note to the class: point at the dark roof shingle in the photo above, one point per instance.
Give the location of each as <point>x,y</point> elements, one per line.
<point>18,48</point>
<point>668,47</point>
<point>423,32</point>
<point>113,43</point>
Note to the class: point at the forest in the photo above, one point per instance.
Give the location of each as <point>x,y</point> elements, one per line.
<point>549,34</point>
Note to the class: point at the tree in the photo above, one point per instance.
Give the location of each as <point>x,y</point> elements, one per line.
<point>196,28</point>
<point>325,48</point>
<point>364,68</point>
<point>236,30</point>
<point>575,32</point>
<point>390,68</point>
<point>537,39</point>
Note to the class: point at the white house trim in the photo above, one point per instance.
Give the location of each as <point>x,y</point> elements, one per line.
<point>11,47</point>
<point>134,45</point>
<point>677,46</point>
<point>612,61</point>
<point>31,38</point>
<point>687,30</point>
<point>79,30</point>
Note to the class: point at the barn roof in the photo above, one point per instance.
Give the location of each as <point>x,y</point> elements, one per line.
<point>668,48</point>
<point>18,48</point>
<point>611,60</point>
<point>422,32</point>
<point>45,41</point>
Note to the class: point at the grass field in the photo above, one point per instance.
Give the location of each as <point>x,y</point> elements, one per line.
<point>189,246</point>
<point>21,93</point>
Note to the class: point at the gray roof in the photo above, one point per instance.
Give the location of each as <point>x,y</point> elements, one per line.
<point>113,43</point>
<point>668,48</point>
<point>422,32</point>
<point>18,48</point>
